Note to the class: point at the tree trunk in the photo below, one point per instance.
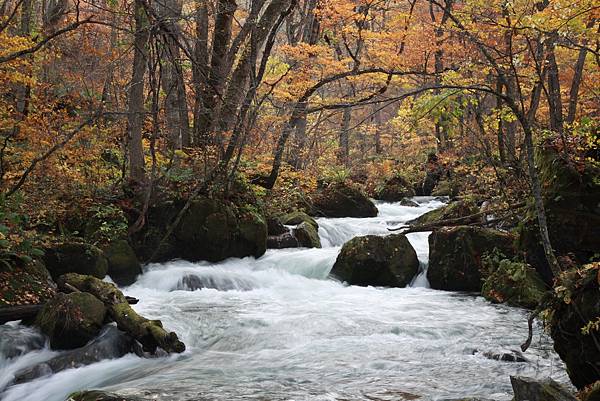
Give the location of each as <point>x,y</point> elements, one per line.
<point>177,122</point>
<point>212,96</point>
<point>554,98</point>
<point>574,92</point>
<point>136,114</point>
<point>344,135</point>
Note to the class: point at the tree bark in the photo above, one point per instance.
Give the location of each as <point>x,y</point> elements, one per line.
<point>344,137</point>
<point>574,92</point>
<point>136,112</point>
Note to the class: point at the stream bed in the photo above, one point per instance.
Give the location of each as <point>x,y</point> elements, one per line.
<point>277,328</point>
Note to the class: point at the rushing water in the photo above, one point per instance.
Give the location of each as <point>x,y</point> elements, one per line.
<point>276,328</point>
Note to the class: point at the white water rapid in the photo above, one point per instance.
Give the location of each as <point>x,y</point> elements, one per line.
<point>276,328</point>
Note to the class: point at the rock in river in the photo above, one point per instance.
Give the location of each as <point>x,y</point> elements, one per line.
<point>388,261</point>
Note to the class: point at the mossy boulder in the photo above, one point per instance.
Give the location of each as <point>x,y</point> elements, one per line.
<point>577,306</point>
<point>210,230</point>
<point>71,320</point>
<point>96,395</point>
<point>123,266</point>
<point>461,208</point>
<point>296,218</point>
<point>446,188</point>
<point>455,256</point>
<point>76,257</point>
<point>394,189</point>
<point>24,282</point>
<point>388,261</point>
<point>514,283</point>
<point>342,200</point>
<point>307,235</point>
<point>571,192</point>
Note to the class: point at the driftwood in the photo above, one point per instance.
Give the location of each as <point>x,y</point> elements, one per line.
<point>19,312</point>
<point>150,333</point>
<point>470,220</point>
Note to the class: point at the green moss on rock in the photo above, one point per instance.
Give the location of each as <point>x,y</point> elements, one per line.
<point>455,256</point>
<point>514,283</point>
<point>71,320</point>
<point>388,261</point>
<point>123,266</point>
<point>75,257</point>
<point>461,208</point>
<point>342,200</point>
<point>307,235</point>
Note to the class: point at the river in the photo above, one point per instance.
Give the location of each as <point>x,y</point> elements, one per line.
<point>277,328</point>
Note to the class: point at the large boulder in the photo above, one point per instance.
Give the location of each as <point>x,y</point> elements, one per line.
<point>210,230</point>
<point>571,192</point>
<point>377,261</point>
<point>461,208</point>
<point>342,200</point>
<point>455,256</point>
<point>514,283</point>
<point>572,327</point>
<point>71,320</point>
<point>75,257</point>
<point>123,266</point>
<point>395,189</point>
<point>24,282</point>
<point>529,389</point>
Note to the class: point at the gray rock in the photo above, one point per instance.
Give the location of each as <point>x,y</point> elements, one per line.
<point>529,389</point>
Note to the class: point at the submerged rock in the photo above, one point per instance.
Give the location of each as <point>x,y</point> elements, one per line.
<point>529,389</point>
<point>193,282</point>
<point>343,200</point>
<point>395,189</point>
<point>110,344</point>
<point>96,395</point>
<point>76,257</point>
<point>455,256</point>
<point>377,261</point>
<point>18,340</point>
<point>409,202</point>
<point>71,320</point>
<point>512,356</point>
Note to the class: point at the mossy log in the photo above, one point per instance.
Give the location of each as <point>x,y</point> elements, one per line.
<point>150,333</point>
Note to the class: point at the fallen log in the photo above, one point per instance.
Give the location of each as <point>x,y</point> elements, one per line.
<point>18,312</point>
<point>150,333</point>
<point>459,221</point>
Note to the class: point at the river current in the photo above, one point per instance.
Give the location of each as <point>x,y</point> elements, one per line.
<point>277,328</point>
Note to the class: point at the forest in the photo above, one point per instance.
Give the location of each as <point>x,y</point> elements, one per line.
<point>300,200</point>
